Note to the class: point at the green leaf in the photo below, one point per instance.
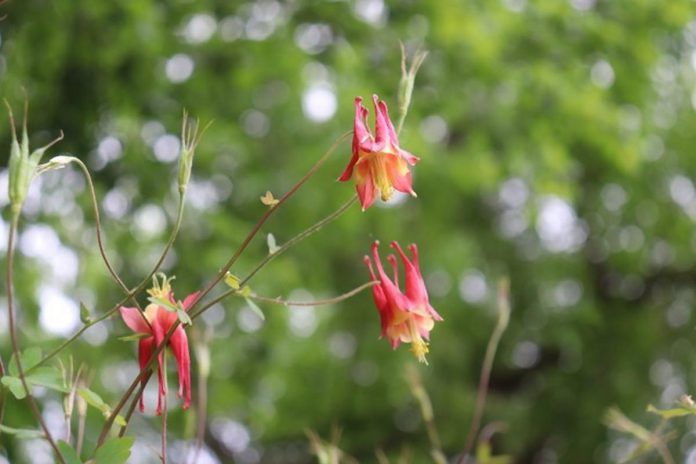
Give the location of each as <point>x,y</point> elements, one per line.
<point>120,420</point>
<point>15,386</point>
<point>183,317</point>
<point>670,413</point>
<point>84,314</point>
<point>69,454</point>
<point>232,281</point>
<point>114,451</point>
<point>134,337</point>
<point>164,304</point>
<point>254,307</point>
<point>94,400</point>
<point>21,433</point>
<point>30,358</point>
<point>48,377</point>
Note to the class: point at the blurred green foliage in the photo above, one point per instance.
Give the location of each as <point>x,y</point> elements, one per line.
<point>556,142</point>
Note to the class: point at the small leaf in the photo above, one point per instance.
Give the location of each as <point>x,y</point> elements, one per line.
<point>268,199</point>
<point>21,433</point>
<point>245,292</point>
<point>232,281</point>
<point>120,420</point>
<point>84,314</point>
<point>94,400</point>
<point>183,317</point>
<point>114,451</point>
<point>670,413</point>
<point>30,358</point>
<point>15,386</point>
<point>271,241</point>
<point>134,337</point>
<point>164,304</point>
<point>48,377</point>
<point>69,454</point>
<point>254,307</point>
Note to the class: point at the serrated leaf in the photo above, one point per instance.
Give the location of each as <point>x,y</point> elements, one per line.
<point>134,337</point>
<point>271,242</point>
<point>114,451</point>
<point>254,307</point>
<point>84,314</point>
<point>48,377</point>
<point>69,454</point>
<point>164,304</point>
<point>183,317</point>
<point>232,281</point>
<point>21,433</point>
<point>15,386</point>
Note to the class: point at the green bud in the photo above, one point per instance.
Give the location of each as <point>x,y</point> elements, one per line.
<point>190,136</point>
<point>22,165</point>
<point>407,81</point>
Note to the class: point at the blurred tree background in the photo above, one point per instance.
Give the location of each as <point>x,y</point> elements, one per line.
<point>557,148</point>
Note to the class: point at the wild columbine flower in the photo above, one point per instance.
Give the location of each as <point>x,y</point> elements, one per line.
<point>155,324</point>
<point>378,164</point>
<point>406,317</point>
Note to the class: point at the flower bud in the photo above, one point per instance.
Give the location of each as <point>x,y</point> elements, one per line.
<point>22,164</point>
<point>190,136</point>
<point>408,78</point>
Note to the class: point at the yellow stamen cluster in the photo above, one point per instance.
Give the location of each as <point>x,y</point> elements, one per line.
<point>161,287</point>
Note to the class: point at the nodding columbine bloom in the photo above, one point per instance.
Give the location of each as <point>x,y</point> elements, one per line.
<point>406,317</point>
<point>378,164</point>
<point>155,324</point>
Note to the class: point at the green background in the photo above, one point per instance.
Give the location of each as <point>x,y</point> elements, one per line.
<point>557,148</point>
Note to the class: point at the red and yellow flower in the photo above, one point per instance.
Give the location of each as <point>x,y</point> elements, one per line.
<point>406,317</point>
<point>378,165</point>
<point>154,323</point>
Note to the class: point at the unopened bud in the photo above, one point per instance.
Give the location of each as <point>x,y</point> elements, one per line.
<point>190,136</point>
<point>23,165</point>
<point>408,79</point>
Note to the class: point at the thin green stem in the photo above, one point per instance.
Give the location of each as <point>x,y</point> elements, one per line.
<point>324,302</point>
<point>133,405</point>
<point>266,215</point>
<point>217,279</point>
<point>500,326</point>
<point>15,340</point>
<point>299,237</point>
<point>145,282</point>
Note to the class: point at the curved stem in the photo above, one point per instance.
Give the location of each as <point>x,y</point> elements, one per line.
<point>133,405</point>
<point>266,215</point>
<point>299,237</point>
<point>15,341</point>
<point>324,302</point>
<point>283,248</point>
<point>130,294</point>
<point>221,275</point>
<point>500,326</point>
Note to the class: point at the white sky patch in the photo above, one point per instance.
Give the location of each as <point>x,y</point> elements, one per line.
<point>166,148</point>
<point>199,28</point>
<point>231,28</point>
<point>313,38</point>
<point>558,226</point>
<point>232,434</point>
<point>248,321</point>
<point>179,68</point>
<point>151,130</point>
<point>319,102</point>
<point>302,320</point>
<point>59,315</point>
<point>681,189</point>
<point>255,123</point>
<point>602,74</point>
<point>371,11</point>
<point>473,287</point>
<point>149,221</point>
<point>434,129</point>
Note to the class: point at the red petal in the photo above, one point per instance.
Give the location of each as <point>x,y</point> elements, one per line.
<point>180,348</point>
<point>134,319</point>
<point>189,300</point>
<point>366,190</point>
<point>145,349</point>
